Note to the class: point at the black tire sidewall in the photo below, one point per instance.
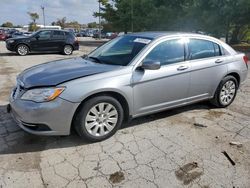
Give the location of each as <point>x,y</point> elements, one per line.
<point>79,122</point>
<point>18,46</point>
<point>226,79</point>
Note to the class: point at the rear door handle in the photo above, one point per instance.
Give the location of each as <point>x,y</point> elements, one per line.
<point>219,61</point>
<point>182,67</point>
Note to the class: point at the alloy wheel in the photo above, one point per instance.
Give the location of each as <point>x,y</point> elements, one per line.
<point>228,92</point>
<point>101,119</point>
<point>22,50</point>
<point>68,50</point>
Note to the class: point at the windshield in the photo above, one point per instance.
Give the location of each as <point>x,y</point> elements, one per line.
<point>119,51</point>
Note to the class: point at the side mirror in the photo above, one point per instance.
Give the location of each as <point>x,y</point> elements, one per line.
<point>37,37</point>
<point>151,65</point>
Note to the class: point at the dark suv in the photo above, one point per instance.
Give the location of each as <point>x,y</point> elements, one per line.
<point>44,41</point>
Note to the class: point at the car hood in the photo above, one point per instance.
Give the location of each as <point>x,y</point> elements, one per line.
<point>57,72</point>
<point>19,38</point>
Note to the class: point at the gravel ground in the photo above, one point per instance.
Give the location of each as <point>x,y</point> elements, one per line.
<point>168,149</point>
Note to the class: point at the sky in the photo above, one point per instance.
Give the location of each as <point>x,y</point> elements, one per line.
<point>15,11</point>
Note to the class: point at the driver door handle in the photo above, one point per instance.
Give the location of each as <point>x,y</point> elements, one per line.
<point>182,67</point>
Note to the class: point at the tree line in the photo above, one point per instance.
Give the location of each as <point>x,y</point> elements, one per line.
<point>220,18</point>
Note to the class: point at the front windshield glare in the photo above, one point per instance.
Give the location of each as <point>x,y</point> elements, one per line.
<point>119,51</point>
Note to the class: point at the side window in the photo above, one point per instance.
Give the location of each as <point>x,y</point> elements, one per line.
<point>44,35</point>
<point>199,49</point>
<point>58,35</point>
<point>217,51</point>
<point>168,52</point>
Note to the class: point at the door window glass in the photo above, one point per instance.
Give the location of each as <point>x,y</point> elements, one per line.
<point>199,49</point>
<point>44,35</point>
<point>168,52</point>
<point>58,35</point>
<point>217,50</point>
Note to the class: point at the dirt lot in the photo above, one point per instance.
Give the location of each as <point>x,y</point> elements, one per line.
<point>176,148</point>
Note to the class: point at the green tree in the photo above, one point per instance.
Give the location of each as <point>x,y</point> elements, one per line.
<point>61,22</point>
<point>92,25</point>
<point>220,18</point>
<point>7,24</point>
<point>33,27</point>
<point>74,24</point>
<point>33,16</point>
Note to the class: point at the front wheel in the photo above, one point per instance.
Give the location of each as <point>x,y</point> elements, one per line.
<point>226,92</point>
<point>22,49</point>
<point>67,50</point>
<point>99,118</point>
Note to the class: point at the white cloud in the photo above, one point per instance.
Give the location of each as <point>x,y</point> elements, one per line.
<point>74,10</point>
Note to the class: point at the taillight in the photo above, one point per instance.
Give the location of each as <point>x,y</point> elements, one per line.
<point>245,58</point>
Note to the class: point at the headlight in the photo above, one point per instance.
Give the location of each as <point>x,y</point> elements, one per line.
<point>11,41</point>
<point>42,94</point>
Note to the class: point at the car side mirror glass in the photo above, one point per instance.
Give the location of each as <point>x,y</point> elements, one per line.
<point>37,37</point>
<point>151,65</point>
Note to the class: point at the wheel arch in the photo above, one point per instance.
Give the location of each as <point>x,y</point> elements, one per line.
<point>67,44</point>
<point>23,44</point>
<point>118,96</point>
<point>236,75</point>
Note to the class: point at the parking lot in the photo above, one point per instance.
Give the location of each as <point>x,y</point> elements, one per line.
<point>189,146</point>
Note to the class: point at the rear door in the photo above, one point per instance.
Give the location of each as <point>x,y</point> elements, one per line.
<point>208,65</point>
<point>58,40</point>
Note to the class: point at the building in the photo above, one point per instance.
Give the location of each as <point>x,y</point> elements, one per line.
<point>26,27</point>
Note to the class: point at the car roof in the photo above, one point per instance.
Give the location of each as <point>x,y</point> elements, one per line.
<point>158,34</point>
<point>54,30</point>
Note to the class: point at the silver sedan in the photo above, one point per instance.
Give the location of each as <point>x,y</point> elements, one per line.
<point>130,76</point>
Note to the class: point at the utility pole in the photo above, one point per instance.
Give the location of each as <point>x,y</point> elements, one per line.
<point>99,19</point>
<point>132,15</point>
<point>42,7</point>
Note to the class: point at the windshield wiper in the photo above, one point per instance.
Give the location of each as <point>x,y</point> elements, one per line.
<point>96,59</point>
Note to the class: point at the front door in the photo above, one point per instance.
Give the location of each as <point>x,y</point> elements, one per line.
<point>42,41</point>
<point>168,86</point>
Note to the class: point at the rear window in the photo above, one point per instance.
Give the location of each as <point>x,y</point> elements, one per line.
<point>199,49</point>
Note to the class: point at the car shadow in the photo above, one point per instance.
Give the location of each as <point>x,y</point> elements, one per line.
<point>15,140</point>
<point>95,43</point>
<point>32,53</point>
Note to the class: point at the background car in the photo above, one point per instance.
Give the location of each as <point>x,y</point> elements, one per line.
<point>3,36</point>
<point>44,41</point>
<point>17,34</point>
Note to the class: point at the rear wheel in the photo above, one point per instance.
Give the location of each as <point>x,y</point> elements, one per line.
<point>226,92</point>
<point>22,49</point>
<point>67,50</point>
<point>99,118</point>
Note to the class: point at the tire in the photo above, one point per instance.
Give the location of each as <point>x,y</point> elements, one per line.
<point>95,127</point>
<point>22,50</point>
<point>67,50</point>
<point>219,99</point>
